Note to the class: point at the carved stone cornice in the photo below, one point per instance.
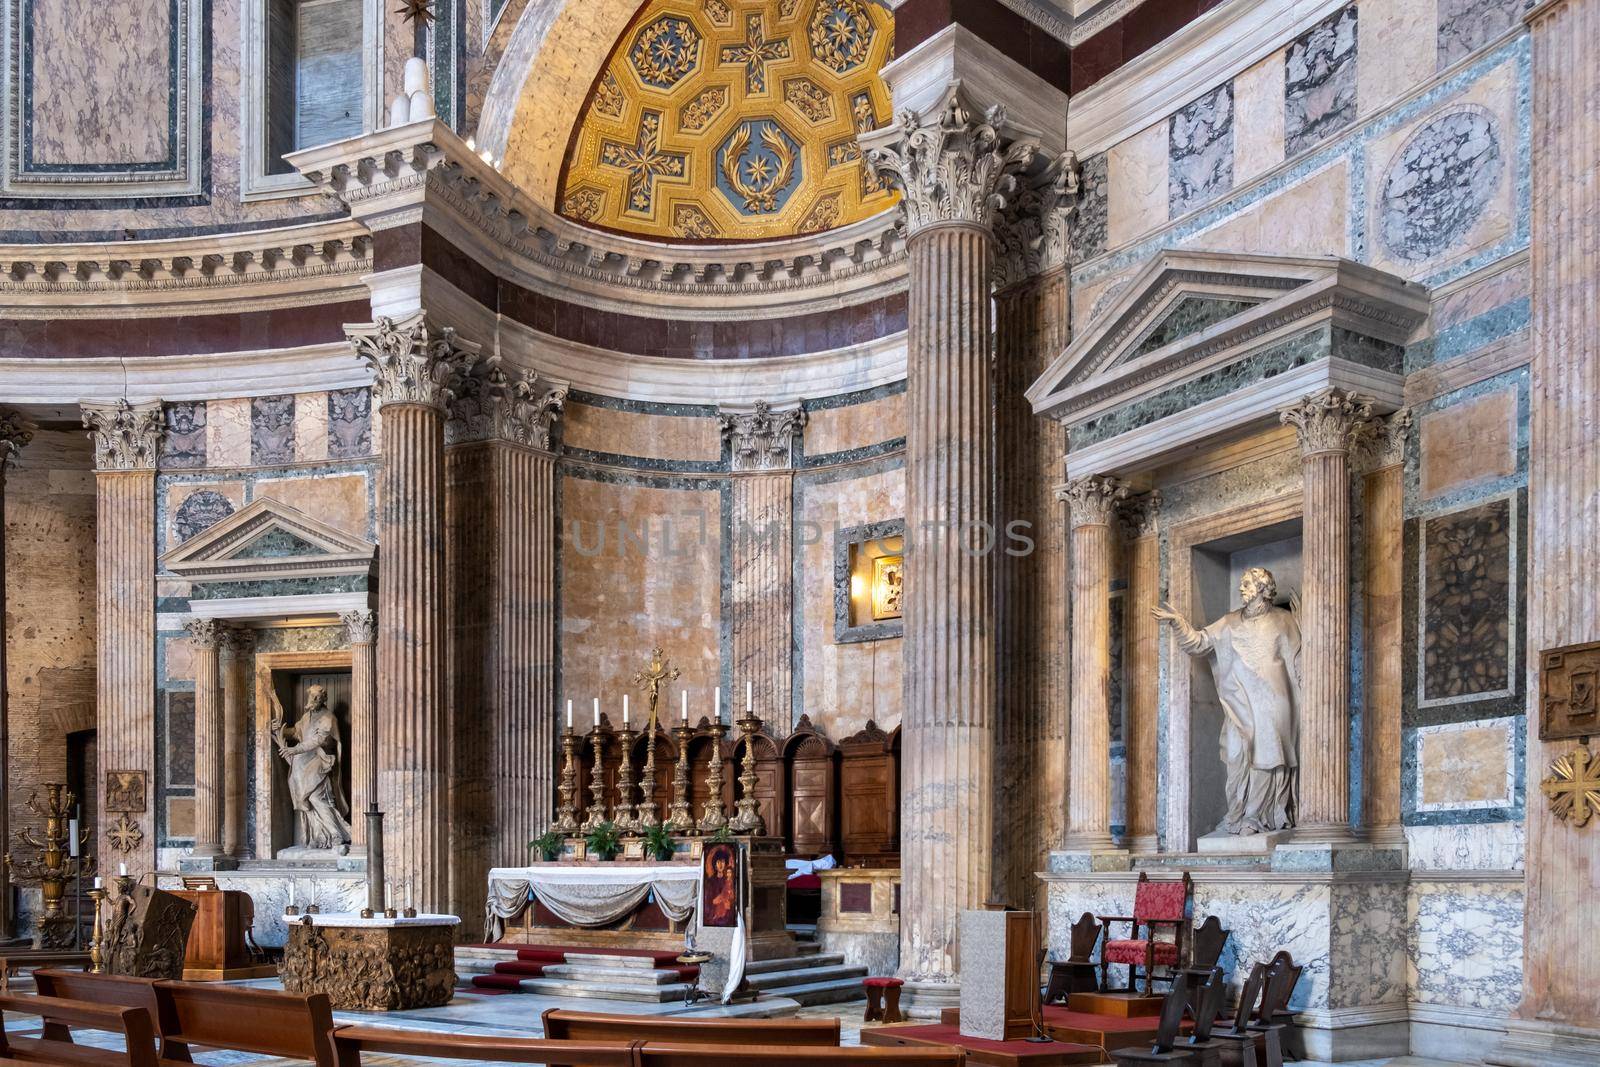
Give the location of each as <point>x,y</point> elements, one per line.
<point>1031,233</point>
<point>763,439</point>
<point>126,436</point>
<point>1331,421</point>
<point>15,433</point>
<point>412,362</point>
<point>953,168</point>
<point>360,627</point>
<point>1095,500</point>
<point>206,633</point>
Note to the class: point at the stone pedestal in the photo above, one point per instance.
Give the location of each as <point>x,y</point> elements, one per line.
<point>858,918</point>
<point>375,964</point>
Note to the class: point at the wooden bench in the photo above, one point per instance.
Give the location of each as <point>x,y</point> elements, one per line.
<point>107,990</point>
<point>132,1024</point>
<point>349,1042</point>
<point>563,1024</point>
<point>11,963</point>
<point>662,1054</point>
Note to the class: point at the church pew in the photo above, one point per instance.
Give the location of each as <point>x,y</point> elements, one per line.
<point>108,990</point>
<point>60,1015</point>
<point>288,1025</point>
<point>662,1054</point>
<point>350,1042</point>
<point>567,1025</point>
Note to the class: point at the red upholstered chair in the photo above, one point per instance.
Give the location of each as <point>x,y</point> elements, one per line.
<point>1157,907</point>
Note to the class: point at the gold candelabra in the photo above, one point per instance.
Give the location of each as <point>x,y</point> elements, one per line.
<point>712,815</point>
<point>49,866</point>
<point>597,784</point>
<point>567,815</point>
<point>97,955</point>
<point>647,780</point>
<point>747,819</point>
<point>680,819</point>
<point>624,817</point>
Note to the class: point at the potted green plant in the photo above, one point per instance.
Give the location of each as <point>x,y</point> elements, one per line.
<point>604,841</point>
<point>723,835</point>
<point>658,842</point>
<point>547,845</point>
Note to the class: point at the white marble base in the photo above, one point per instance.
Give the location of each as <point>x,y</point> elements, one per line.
<point>1218,841</point>
<point>926,1000</point>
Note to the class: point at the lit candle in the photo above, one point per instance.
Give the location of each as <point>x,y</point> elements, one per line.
<point>716,713</point>
<point>597,712</point>
<point>122,870</point>
<point>749,699</point>
<point>97,881</point>
<point>569,715</point>
<point>685,696</point>
<point>291,894</point>
<point>72,838</point>
<point>624,709</point>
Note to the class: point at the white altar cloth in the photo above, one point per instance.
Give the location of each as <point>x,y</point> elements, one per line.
<point>591,895</point>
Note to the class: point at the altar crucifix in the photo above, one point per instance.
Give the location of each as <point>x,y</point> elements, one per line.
<point>649,681</point>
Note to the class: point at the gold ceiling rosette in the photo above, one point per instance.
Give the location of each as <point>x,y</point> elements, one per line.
<point>720,120</point>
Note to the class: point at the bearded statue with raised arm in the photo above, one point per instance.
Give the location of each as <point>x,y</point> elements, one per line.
<point>1255,659</point>
<point>313,749</point>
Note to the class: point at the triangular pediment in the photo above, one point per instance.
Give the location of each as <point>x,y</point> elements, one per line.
<point>1186,313</point>
<point>269,539</point>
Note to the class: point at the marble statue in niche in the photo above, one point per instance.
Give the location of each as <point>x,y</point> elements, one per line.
<point>312,748</point>
<point>1256,664</point>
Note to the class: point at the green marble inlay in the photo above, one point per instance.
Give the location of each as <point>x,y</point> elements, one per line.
<point>277,543</point>
<point>335,583</point>
<point>1188,317</point>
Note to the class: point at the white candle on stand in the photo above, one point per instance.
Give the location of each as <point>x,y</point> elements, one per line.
<point>685,695</point>
<point>569,715</point>
<point>291,894</point>
<point>716,713</point>
<point>749,699</point>
<point>122,870</point>
<point>624,709</point>
<point>597,712</point>
<point>97,881</point>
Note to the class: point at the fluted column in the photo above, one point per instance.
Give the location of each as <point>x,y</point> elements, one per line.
<point>1092,505</point>
<point>954,173</point>
<point>126,438</point>
<point>1383,522</point>
<point>761,444</point>
<point>1140,684</point>
<point>238,688</point>
<point>1031,329</point>
<point>15,433</point>
<point>414,366</point>
<point>210,753</point>
<point>1327,424</point>
<point>361,631</point>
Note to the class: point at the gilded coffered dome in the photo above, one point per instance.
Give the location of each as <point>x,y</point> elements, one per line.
<point>733,120</point>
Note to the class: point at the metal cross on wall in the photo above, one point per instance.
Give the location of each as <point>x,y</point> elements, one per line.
<point>1574,787</point>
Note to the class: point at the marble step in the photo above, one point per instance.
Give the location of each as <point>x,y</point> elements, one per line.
<point>633,990</point>
<point>835,992</point>
<point>613,975</point>
<point>611,962</point>
<point>802,976</point>
<point>818,960</point>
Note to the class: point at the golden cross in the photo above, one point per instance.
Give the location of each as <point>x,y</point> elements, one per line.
<point>649,681</point>
<point>1574,787</point>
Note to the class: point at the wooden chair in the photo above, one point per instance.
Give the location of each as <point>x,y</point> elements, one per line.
<point>655,1054</point>
<point>1282,976</point>
<point>61,1015</point>
<point>1206,943</point>
<point>561,1024</point>
<point>289,1025</point>
<point>1156,905</point>
<point>1165,1049</point>
<point>349,1042</point>
<point>1238,1039</point>
<point>1076,973</point>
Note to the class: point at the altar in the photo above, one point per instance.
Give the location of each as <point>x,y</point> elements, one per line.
<point>650,905</point>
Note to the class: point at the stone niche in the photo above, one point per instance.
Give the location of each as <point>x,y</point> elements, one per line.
<point>288,676</point>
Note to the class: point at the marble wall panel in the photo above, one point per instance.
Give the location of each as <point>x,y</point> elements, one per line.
<point>228,436</point>
<point>192,509</point>
<point>1307,218</point>
<point>1258,118</point>
<point>1495,289</point>
<point>185,442</point>
<point>1469,443</point>
<point>178,759</point>
<point>1136,199</point>
<point>1486,846</point>
<point>350,423</point>
<point>311,427</point>
<point>1440,186</point>
<point>1465,943</point>
<point>1398,39</point>
<point>1467,765</point>
<point>1464,26</point>
<point>1200,143</point>
<point>179,823</point>
<point>618,599</point>
<point>851,426</point>
<point>1320,81</point>
<point>340,500</point>
<point>272,425</point>
<point>1368,929</point>
<point>842,685</point>
<point>177,658</point>
<point>1467,610</point>
<point>270,891</point>
<point>614,431</point>
<point>1088,224</point>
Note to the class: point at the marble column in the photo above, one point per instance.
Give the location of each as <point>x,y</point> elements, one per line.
<point>361,631</point>
<point>210,748</point>
<point>954,173</point>
<point>1031,328</point>
<point>238,688</point>
<point>1383,521</point>
<point>1327,425</point>
<point>761,444</point>
<point>1092,504</point>
<point>1141,683</point>
<point>126,440</point>
<point>414,365</point>
<point>15,433</point>
<point>1557,1022</point>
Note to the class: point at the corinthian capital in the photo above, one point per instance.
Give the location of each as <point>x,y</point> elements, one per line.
<point>15,433</point>
<point>953,168</point>
<point>763,439</point>
<point>360,627</point>
<point>1031,233</point>
<point>126,436</point>
<point>412,361</point>
<point>1331,421</point>
<point>1094,501</point>
<point>206,633</point>
<point>527,410</point>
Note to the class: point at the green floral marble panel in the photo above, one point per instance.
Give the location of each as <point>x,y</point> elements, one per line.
<point>1188,317</point>
<point>277,543</point>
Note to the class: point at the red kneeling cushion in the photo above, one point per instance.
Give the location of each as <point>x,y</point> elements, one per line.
<point>883,983</point>
<point>1133,952</point>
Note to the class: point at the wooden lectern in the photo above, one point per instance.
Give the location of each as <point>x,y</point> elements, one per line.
<point>218,951</point>
<point>999,975</point>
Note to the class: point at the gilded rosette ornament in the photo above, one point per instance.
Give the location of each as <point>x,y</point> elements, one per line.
<point>1095,500</point>
<point>1331,421</point>
<point>126,436</point>
<point>1573,787</point>
<point>411,361</point>
<point>15,433</point>
<point>955,169</point>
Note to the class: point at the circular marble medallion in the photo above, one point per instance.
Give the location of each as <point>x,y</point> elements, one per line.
<point>1439,183</point>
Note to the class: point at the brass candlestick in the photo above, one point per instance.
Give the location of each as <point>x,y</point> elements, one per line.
<point>747,819</point>
<point>48,867</point>
<point>567,815</point>
<point>597,784</point>
<point>624,817</point>
<point>647,780</point>
<point>680,819</point>
<point>712,815</point>
<point>97,955</point>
